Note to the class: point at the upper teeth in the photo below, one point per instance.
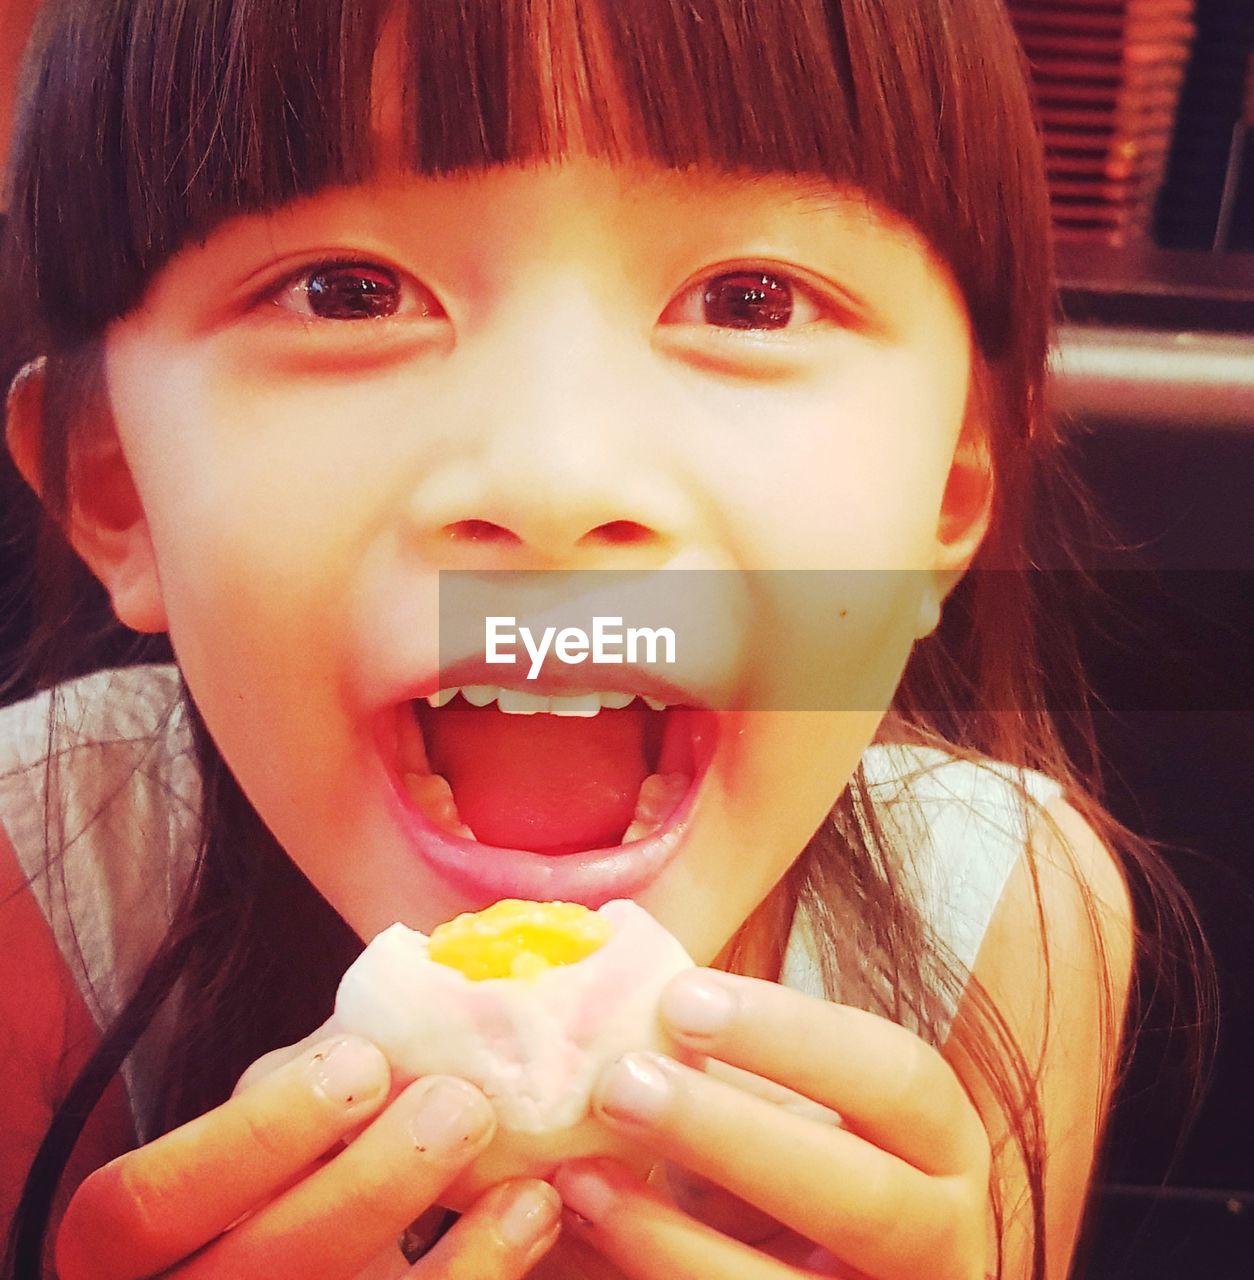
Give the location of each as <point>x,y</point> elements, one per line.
<point>518,702</point>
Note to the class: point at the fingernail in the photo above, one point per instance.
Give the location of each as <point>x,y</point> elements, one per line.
<point>698,1005</point>
<point>451,1116</point>
<point>585,1191</point>
<point>529,1215</point>
<point>349,1072</point>
<point>637,1087</point>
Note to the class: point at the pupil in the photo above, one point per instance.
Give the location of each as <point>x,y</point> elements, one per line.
<point>748,300</point>
<point>351,294</point>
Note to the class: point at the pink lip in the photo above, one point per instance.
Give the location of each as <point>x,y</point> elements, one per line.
<point>485,873</point>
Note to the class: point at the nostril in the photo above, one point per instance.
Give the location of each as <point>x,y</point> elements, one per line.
<point>618,533</point>
<point>479,531</point>
<point>614,533</point>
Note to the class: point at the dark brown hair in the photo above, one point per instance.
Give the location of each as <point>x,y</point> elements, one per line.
<point>144,124</point>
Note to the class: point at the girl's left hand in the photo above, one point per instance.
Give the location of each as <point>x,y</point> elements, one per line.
<point>894,1190</point>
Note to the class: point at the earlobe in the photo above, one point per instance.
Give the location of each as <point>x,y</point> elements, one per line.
<point>930,598</point>
<point>105,521</point>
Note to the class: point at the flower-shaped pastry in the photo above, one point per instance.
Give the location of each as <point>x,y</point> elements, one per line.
<point>530,1002</point>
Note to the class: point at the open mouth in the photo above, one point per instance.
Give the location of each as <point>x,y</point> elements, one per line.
<point>551,775</point>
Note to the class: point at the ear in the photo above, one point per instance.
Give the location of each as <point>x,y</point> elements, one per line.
<point>965,512</point>
<point>105,522</point>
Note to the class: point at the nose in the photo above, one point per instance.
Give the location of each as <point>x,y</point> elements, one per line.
<point>558,454</point>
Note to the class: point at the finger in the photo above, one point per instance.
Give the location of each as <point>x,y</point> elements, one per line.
<point>276,1058</point>
<point>336,1221</point>
<point>644,1237</point>
<point>163,1202</point>
<point>732,1216</point>
<point>503,1235</point>
<point>718,1208</point>
<point>886,1083</point>
<point>772,1092</point>
<point>867,1206</point>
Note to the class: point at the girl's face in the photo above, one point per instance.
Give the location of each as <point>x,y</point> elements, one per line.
<point>574,366</point>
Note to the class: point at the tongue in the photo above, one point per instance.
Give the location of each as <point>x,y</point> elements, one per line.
<point>551,784</point>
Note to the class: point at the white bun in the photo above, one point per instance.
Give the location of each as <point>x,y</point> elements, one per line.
<point>535,1046</point>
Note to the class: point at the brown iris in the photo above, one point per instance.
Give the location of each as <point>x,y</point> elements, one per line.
<point>748,300</point>
<point>352,293</point>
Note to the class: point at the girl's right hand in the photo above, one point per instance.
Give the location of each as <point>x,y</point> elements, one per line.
<point>263,1186</point>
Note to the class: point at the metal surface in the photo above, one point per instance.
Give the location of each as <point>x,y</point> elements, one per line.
<point>1154,379</point>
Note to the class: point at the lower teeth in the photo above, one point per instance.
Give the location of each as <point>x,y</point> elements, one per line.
<point>434,797</point>
<point>659,794</point>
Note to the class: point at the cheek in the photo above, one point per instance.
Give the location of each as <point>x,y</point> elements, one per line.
<point>251,501</point>
<point>831,639</point>
<point>767,800</point>
<point>251,548</point>
<point>798,764</point>
<point>845,473</point>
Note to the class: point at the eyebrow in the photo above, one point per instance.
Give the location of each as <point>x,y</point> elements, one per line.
<point>809,192</point>
<point>813,192</point>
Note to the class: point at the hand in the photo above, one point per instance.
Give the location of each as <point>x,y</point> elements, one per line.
<point>896,1190</point>
<point>265,1185</point>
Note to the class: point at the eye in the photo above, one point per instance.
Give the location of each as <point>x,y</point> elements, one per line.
<point>751,298</point>
<point>353,291</point>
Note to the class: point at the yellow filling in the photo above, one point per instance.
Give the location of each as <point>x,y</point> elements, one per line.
<point>514,938</point>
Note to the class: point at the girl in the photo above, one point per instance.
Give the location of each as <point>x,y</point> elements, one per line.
<point>319,299</point>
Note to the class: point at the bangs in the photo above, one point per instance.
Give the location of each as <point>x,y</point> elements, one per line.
<point>157,120</point>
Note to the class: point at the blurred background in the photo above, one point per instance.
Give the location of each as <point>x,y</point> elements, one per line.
<point>1147,112</point>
